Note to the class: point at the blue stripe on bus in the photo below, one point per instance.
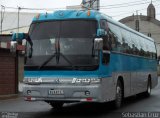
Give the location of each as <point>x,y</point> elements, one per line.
<point>118,63</point>
<point>121,62</point>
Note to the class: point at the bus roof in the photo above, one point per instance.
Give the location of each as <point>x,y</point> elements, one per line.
<point>68,14</point>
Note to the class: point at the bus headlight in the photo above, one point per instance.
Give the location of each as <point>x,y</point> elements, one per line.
<point>86,81</point>
<point>30,80</point>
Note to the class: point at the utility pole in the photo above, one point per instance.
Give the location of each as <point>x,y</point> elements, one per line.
<point>91,4</point>
<point>2,16</point>
<point>1,19</point>
<point>96,5</point>
<point>19,8</point>
<point>137,22</point>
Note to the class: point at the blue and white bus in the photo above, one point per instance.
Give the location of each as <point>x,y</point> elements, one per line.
<point>86,56</point>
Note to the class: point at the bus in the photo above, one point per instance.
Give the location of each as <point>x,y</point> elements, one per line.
<point>86,56</point>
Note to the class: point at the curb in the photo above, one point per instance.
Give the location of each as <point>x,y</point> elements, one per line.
<point>7,97</point>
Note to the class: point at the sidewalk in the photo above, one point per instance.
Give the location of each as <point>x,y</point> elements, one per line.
<point>13,96</point>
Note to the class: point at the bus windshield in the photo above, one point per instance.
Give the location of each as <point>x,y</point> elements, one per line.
<point>63,45</point>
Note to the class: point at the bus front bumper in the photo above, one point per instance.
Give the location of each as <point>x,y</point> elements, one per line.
<point>64,93</point>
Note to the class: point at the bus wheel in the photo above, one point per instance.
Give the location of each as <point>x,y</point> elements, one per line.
<point>57,105</point>
<point>148,92</point>
<point>119,95</point>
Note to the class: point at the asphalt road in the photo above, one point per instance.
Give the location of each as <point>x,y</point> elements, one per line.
<point>136,105</point>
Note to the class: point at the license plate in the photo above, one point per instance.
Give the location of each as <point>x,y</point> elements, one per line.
<point>56,92</point>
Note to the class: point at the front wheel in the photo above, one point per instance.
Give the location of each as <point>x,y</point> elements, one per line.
<point>57,105</point>
<point>119,95</point>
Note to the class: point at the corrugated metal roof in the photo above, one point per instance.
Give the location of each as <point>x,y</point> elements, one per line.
<point>5,38</point>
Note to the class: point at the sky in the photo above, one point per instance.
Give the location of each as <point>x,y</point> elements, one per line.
<point>117,9</point>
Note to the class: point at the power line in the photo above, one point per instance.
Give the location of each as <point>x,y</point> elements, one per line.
<point>102,7</point>
<point>132,11</point>
<point>14,28</point>
<point>125,5</point>
<point>33,9</point>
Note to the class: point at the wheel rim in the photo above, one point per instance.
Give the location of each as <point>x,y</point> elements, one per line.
<point>118,95</point>
<point>149,88</point>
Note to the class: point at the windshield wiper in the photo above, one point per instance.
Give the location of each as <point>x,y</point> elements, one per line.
<point>48,60</point>
<point>73,67</point>
<point>57,55</point>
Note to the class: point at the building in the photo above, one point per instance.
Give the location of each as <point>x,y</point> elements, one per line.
<point>11,67</point>
<point>75,7</point>
<point>10,22</point>
<point>147,25</point>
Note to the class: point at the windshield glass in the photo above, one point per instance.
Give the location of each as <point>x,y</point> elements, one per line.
<point>63,44</point>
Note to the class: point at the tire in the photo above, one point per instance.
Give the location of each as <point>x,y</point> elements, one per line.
<point>147,93</point>
<point>119,95</point>
<point>57,105</point>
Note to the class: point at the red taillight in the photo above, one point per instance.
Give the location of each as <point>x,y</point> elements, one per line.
<point>28,98</point>
<point>89,99</point>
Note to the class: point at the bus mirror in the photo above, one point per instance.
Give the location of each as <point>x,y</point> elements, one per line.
<point>13,46</point>
<point>18,36</point>
<point>158,60</point>
<point>101,32</point>
<point>98,43</point>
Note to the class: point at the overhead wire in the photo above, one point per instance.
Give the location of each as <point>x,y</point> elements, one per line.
<point>123,3</point>
<point>126,4</point>
<point>102,7</point>
<point>132,11</point>
<point>112,6</point>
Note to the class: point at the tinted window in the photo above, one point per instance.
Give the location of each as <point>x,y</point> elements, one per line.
<point>63,29</point>
<point>116,36</point>
<point>136,44</point>
<point>104,25</point>
<point>78,29</point>
<point>127,42</point>
<point>59,44</point>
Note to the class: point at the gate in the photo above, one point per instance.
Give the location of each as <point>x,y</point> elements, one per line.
<point>8,67</point>
<point>8,72</point>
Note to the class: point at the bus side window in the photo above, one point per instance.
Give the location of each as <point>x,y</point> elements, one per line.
<point>116,35</point>
<point>103,25</point>
<point>106,43</point>
<point>126,39</point>
<point>112,38</point>
<point>106,49</point>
